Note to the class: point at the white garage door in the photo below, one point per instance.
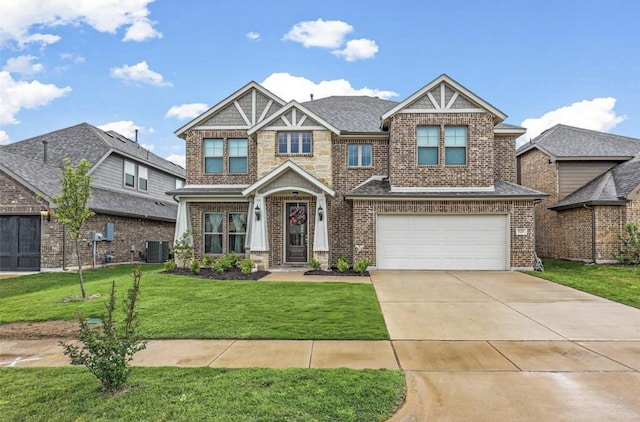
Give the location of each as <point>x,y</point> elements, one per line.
<point>442,242</point>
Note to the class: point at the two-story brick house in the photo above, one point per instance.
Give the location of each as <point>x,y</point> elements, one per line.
<point>129,199</point>
<point>426,183</point>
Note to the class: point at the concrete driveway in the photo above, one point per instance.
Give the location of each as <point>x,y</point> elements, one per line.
<point>502,346</point>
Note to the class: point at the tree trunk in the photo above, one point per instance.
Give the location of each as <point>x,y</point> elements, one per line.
<point>84,294</point>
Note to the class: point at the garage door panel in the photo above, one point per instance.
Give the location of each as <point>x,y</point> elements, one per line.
<point>442,242</point>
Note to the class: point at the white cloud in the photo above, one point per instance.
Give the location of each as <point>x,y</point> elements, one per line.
<point>20,17</point>
<point>357,50</point>
<point>123,127</point>
<point>74,58</point>
<point>23,65</point>
<point>298,88</point>
<point>597,114</point>
<point>253,36</point>
<point>178,159</point>
<point>186,111</point>
<point>319,33</point>
<point>140,74</point>
<point>4,138</point>
<point>17,95</point>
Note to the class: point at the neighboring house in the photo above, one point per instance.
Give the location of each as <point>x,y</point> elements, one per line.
<point>593,181</point>
<point>129,199</point>
<point>426,183</point>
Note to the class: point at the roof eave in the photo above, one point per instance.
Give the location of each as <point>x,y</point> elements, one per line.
<point>590,203</point>
<point>445,197</point>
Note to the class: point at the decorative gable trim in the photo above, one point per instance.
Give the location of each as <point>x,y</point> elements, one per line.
<point>297,120</point>
<point>432,98</point>
<point>232,100</point>
<point>280,170</point>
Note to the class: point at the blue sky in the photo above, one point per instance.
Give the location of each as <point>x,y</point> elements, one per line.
<point>154,65</point>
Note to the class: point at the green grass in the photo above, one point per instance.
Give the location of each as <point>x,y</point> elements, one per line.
<point>614,282</point>
<point>196,394</point>
<point>186,307</point>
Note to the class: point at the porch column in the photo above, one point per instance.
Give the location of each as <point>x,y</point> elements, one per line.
<point>321,233</point>
<point>259,236</point>
<point>183,222</point>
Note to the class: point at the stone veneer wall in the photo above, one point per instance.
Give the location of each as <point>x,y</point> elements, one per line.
<point>318,163</point>
<point>196,212</point>
<point>479,170</point>
<point>520,212</point>
<point>195,174</point>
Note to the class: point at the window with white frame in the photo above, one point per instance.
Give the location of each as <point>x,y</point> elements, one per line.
<point>290,143</point>
<point>237,231</point>
<point>455,145</point>
<point>129,174</point>
<point>359,155</point>
<point>179,183</point>
<point>428,145</point>
<point>143,178</point>
<point>213,232</point>
<point>213,155</point>
<point>238,151</point>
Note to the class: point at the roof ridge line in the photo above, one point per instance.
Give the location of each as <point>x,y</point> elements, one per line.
<point>601,185</point>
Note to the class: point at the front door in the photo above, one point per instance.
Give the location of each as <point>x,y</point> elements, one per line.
<point>296,240</point>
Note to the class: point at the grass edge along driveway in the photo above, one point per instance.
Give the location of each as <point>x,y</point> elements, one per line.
<point>614,282</point>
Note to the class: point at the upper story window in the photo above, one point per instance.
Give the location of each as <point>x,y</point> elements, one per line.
<point>455,145</point>
<point>213,155</point>
<point>359,155</point>
<point>428,145</point>
<point>179,183</point>
<point>238,155</point>
<point>143,178</point>
<point>294,143</point>
<point>129,174</point>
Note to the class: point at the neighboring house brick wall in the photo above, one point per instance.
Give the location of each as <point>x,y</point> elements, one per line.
<point>610,222</point>
<point>479,170</point>
<point>504,151</point>
<point>128,232</point>
<point>365,211</point>
<point>575,243</point>
<point>318,163</point>
<point>195,174</point>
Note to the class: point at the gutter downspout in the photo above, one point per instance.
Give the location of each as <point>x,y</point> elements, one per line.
<point>593,232</point>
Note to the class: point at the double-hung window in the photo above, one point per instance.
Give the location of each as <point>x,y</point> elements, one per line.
<point>237,155</point>
<point>359,155</point>
<point>455,145</point>
<point>213,155</point>
<point>428,145</point>
<point>237,231</point>
<point>213,232</point>
<point>143,178</point>
<point>130,174</point>
<point>294,143</point>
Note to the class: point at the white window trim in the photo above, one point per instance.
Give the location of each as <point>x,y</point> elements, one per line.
<point>300,138</point>
<point>143,169</point>
<point>359,165</point>
<point>465,146</point>
<point>126,173</point>
<point>436,147</point>
<point>205,156</point>
<point>205,232</point>
<point>229,156</point>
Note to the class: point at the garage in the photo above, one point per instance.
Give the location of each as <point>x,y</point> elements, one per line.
<point>19,243</point>
<point>442,242</point>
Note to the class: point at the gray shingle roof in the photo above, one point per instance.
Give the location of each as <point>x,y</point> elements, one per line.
<point>614,187</point>
<point>564,142</point>
<point>89,142</point>
<point>37,176</point>
<point>119,203</point>
<point>208,190</point>
<point>356,114</point>
<point>502,189</point>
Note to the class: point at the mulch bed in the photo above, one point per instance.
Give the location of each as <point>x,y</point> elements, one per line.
<point>39,330</point>
<point>232,274</point>
<point>334,271</point>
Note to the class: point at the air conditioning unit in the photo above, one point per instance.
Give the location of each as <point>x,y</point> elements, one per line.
<point>157,251</point>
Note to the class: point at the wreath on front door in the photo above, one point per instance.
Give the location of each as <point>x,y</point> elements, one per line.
<point>297,216</point>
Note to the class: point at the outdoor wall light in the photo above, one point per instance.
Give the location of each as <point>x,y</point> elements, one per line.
<point>320,212</point>
<point>257,211</point>
<point>46,213</point>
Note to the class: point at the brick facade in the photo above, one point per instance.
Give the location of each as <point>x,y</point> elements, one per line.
<point>504,153</point>
<point>520,216</point>
<point>15,199</point>
<point>404,169</point>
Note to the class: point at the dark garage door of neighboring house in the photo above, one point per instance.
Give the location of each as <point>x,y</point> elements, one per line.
<point>19,243</point>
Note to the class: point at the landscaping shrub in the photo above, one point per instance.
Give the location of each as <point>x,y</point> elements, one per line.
<point>219,265</point>
<point>107,349</point>
<point>169,265</point>
<point>630,244</point>
<point>245,265</point>
<point>361,266</point>
<point>314,264</point>
<point>343,263</point>
<point>207,261</point>
<point>183,250</point>
<point>194,266</point>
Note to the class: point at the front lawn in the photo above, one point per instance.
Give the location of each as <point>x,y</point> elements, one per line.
<point>196,394</point>
<point>174,306</point>
<point>614,282</point>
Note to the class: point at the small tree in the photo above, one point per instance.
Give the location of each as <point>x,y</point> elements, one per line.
<point>71,204</point>
<point>183,249</point>
<point>107,350</point>
<point>629,244</point>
